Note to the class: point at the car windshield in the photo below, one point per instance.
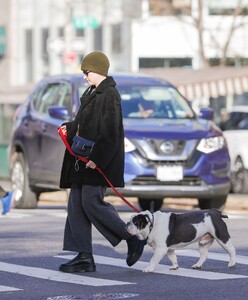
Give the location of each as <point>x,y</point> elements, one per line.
<point>154,102</point>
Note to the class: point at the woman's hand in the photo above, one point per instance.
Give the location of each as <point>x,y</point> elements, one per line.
<point>90,164</point>
<point>63,128</point>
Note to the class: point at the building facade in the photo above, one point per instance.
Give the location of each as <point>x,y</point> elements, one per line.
<point>51,36</point>
<point>39,38</point>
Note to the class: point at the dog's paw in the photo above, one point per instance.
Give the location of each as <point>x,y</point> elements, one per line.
<point>231,264</point>
<point>148,269</point>
<point>174,267</point>
<point>196,267</point>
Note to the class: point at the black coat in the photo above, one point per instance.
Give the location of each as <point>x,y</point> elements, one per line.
<point>100,120</point>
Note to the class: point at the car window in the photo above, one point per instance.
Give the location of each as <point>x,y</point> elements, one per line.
<point>154,102</point>
<point>64,97</point>
<point>35,96</point>
<point>81,90</point>
<point>243,124</point>
<point>48,97</point>
<point>234,120</point>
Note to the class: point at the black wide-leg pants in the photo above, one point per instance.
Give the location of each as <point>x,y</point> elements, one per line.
<point>86,207</point>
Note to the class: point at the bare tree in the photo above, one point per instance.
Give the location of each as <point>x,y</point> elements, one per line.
<point>238,14</point>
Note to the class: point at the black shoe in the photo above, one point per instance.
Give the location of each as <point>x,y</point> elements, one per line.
<point>83,262</point>
<point>135,250</point>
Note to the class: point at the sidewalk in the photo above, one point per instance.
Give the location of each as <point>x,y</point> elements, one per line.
<point>235,202</point>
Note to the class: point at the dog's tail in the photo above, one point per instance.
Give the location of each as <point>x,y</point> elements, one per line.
<point>221,214</point>
<point>224,216</point>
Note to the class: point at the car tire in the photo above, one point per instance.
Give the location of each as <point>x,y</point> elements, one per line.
<point>145,204</point>
<point>239,178</point>
<point>218,202</point>
<point>24,197</point>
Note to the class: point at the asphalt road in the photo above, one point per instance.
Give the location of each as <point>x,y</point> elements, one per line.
<point>31,251</point>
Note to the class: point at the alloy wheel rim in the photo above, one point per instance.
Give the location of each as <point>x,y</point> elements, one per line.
<point>238,176</point>
<point>17,179</point>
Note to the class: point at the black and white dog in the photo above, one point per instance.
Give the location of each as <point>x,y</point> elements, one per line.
<point>167,232</point>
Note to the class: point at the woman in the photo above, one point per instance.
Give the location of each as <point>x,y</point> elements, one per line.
<point>99,119</point>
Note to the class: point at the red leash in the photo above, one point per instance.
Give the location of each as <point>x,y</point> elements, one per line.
<point>85,160</point>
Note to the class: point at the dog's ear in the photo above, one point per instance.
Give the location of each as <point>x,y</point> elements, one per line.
<point>152,207</point>
<point>147,218</point>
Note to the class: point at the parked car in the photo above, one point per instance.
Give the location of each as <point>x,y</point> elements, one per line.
<point>169,150</point>
<point>236,133</point>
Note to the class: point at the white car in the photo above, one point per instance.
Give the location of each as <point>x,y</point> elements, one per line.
<point>236,134</point>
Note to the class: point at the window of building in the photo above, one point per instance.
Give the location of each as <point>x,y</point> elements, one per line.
<point>169,7</point>
<point>79,32</point>
<point>116,38</point>
<point>2,41</point>
<point>164,62</point>
<point>29,54</point>
<point>230,61</point>
<point>98,38</point>
<point>227,7</point>
<point>44,38</point>
<point>61,32</point>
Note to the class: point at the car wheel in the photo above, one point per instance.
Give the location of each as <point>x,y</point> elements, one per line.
<point>239,178</point>
<point>218,202</point>
<point>145,204</point>
<point>23,196</point>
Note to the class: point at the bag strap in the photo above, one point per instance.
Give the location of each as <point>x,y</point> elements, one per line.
<point>85,160</point>
<point>77,133</point>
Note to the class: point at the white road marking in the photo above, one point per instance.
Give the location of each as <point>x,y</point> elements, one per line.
<point>240,259</point>
<point>58,276</point>
<point>4,288</point>
<point>162,269</point>
<point>12,215</point>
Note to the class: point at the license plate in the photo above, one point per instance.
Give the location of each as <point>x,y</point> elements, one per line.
<point>169,173</point>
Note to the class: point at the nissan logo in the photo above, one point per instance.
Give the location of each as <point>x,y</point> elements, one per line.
<point>167,147</point>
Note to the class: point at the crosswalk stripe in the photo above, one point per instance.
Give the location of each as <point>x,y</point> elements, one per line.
<point>58,276</point>
<point>162,269</point>
<point>4,288</point>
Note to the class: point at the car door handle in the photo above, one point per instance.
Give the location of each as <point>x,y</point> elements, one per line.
<point>43,127</point>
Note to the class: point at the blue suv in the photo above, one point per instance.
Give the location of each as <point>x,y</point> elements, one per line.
<point>170,151</point>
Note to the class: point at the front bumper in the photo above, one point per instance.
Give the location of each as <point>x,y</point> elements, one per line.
<point>176,191</point>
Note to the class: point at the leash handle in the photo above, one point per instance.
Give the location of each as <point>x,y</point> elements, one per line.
<point>85,160</point>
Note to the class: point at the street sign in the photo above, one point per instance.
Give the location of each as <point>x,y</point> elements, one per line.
<point>69,57</point>
<point>57,45</point>
<point>2,40</point>
<point>83,22</point>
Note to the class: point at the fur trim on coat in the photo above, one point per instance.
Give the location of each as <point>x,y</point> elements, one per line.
<point>100,120</point>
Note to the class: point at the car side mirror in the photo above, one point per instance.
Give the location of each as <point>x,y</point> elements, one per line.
<point>59,112</point>
<point>206,113</point>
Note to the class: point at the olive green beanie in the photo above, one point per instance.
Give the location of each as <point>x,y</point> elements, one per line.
<point>96,62</point>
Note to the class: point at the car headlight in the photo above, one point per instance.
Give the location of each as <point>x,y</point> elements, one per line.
<point>211,144</point>
<point>129,146</point>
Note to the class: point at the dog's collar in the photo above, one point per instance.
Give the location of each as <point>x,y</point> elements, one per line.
<point>152,222</point>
